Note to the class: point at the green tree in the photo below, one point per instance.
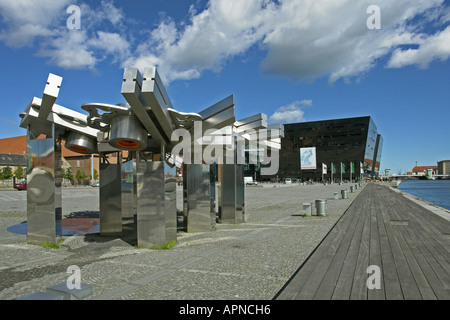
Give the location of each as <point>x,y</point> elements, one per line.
<point>80,176</point>
<point>95,175</point>
<point>20,173</point>
<point>69,174</point>
<point>6,173</point>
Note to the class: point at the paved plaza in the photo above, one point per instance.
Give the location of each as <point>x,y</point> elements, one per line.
<point>250,261</point>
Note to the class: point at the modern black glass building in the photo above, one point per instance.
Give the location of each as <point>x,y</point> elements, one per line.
<point>352,143</point>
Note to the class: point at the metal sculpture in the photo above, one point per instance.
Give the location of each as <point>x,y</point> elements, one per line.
<point>144,135</point>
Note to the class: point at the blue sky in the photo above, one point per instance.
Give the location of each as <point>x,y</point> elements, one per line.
<point>294,60</point>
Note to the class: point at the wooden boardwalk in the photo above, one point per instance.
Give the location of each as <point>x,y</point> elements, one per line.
<point>409,244</point>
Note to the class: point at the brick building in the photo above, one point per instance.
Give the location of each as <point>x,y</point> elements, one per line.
<point>16,148</point>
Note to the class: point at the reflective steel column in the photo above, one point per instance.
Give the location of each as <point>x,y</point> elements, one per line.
<point>110,196</point>
<point>128,189</point>
<point>156,201</point>
<point>44,213</point>
<point>240,193</point>
<point>198,215</point>
<point>231,193</point>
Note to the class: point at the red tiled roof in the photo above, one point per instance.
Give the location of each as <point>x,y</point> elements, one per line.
<point>423,168</point>
<point>18,145</point>
<point>15,145</point>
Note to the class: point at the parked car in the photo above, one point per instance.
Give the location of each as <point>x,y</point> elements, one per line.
<point>250,181</point>
<point>22,185</point>
<point>287,181</point>
<point>96,184</point>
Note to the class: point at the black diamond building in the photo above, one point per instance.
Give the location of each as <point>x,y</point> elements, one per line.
<point>352,143</point>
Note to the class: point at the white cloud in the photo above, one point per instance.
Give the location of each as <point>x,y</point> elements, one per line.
<point>43,22</point>
<point>226,28</point>
<point>301,39</point>
<point>330,38</point>
<point>111,44</point>
<point>290,113</point>
<point>430,48</point>
<point>70,50</point>
<point>27,20</point>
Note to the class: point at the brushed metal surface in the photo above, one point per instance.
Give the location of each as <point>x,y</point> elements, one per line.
<point>110,197</point>
<point>156,201</point>
<point>198,215</point>
<point>81,143</point>
<point>127,133</point>
<point>44,201</point>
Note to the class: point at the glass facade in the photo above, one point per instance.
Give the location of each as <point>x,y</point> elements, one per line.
<point>345,143</point>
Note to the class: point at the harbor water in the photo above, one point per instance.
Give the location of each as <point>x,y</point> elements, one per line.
<point>434,191</point>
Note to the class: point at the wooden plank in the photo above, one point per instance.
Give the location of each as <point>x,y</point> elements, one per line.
<point>343,286</point>
<point>315,277</point>
<point>423,284</point>
<point>431,278</point>
<point>328,284</point>
<point>302,275</point>
<point>359,287</point>
<point>380,228</point>
<point>407,281</point>
<point>434,260</point>
<point>392,286</point>
<point>374,249</point>
<point>433,247</point>
<point>423,218</point>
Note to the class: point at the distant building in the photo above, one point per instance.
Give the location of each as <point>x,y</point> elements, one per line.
<point>16,149</point>
<point>422,170</point>
<point>13,161</point>
<point>444,167</point>
<point>349,140</point>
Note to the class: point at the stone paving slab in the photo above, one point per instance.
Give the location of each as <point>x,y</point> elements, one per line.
<point>252,260</point>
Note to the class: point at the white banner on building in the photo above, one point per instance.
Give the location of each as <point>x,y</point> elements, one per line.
<point>324,168</point>
<point>308,158</point>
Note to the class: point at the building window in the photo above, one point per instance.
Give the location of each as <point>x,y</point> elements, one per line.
<point>78,163</point>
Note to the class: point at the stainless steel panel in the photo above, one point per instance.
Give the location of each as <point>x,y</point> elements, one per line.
<point>127,133</point>
<point>213,192</point>
<point>218,107</point>
<point>81,143</point>
<point>51,92</point>
<point>157,97</point>
<point>156,202</point>
<point>240,193</point>
<point>252,126</point>
<point>231,195</point>
<point>256,117</point>
<point>110,197</point>
<point>44,212</point>
<point>170,201</point>
<point>219,115</point>
<point>131,91</point>
<point>197,198</point>
<point>128,189</point>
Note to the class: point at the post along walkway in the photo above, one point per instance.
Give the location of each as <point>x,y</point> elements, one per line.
<point>409,244</point>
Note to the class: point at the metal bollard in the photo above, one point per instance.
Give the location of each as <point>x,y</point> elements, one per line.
<point>307,208</point>
<point>344,194</point>
<point>352,189</point>
<point>321,207</point>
